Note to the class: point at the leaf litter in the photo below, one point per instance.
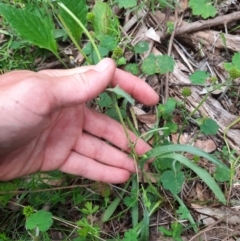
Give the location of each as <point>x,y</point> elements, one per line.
<point>202,49</point>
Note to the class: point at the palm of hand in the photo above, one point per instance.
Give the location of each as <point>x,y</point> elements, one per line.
<point>52,129</point>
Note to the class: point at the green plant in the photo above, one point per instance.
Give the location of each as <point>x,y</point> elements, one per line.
<point>141,47</point>
<point>203,8</point>
<point>87,230</point>
<point>24,23</point>
<point>89,209</point>
<point>140,200</point>
<point>126,3</point>
<point>166,113</point>
<point>233,67</point>
<point>161,64</point>
<point>169,151</point>
<point>175,231</point>
<point>170,27</point>
<point>40,221</point>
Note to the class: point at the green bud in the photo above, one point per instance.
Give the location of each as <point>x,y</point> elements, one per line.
<point>186,92</point>
<point>90,17</point>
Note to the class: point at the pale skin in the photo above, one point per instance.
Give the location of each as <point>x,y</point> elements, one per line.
<point>45,124</point>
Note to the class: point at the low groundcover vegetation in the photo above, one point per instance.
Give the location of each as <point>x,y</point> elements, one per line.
<point>190,188</point>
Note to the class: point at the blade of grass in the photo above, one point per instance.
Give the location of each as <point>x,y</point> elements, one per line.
<point>203,174</point>
<point>114,204</point>
<point>159,151</point>
<point>135,191</point>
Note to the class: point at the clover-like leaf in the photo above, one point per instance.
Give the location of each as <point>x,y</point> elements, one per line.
<point>209,126</point>
<point>149,66</point>
<point>203,8</point>
<point>166,110</point>
<point>165,63</point>
<point>172,182</point>
<point>41,220</point>
<point>172,127</point>
<point>199,77</point>
<point>132,68</point>
<point>105,100</point>
<point>141,47</point>
<point>222,174</point>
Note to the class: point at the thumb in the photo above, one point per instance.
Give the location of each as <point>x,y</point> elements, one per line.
<point>80,87</point>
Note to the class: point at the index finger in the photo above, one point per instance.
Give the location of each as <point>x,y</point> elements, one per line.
<point>133,85</point>
<point>136,87</point>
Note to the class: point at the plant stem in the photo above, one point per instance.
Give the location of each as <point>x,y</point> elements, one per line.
<point>112,95</point>
<point>83,28</point>
<point>232,163</point>
<point>190,218</point>
<point>131,144</point>
<point>60,59</point>
<point>73,40</point>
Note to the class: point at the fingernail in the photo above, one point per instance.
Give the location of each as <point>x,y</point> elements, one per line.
<point>102,66</point>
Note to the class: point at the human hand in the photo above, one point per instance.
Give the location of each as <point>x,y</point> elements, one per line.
<point>45,125</point>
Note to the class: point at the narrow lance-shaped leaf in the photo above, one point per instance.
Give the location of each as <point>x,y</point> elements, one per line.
<point>30,27</point>
<point>120,92</point>
<point>159,151</point>
<point>203,174</point>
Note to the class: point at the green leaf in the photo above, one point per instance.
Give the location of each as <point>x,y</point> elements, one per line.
<point>221,174</point>
<point>209,127</point>
<point>144,235</point>
<point>105,100</point>
<point>177,230</point>
<point>172,128</point>
<point>111,112</point>
<point>203,174</point>
<point>105,21</point>
<point>111,209</point>
<point>120,92</point>
<point>236,60</point>
<point>165,63</point>
<point>130,201</point>
<point>183,212</point>
<point>132,68</point>
<point>107,41</point>
<point>162,164</point>
<point>141,47</point>
<point>121,61</point>
<point>166,110</point>
<point>172,182</point>
<point>149,65</point>
<point>79,9</point>
<point>30,27</point>
<point>203,8</point>
<point>130,235</point>
<point>126,3</point>
<point>162,150</point>
<point>103,53</point>
<point>199,77</point>
<point>228,66</point>
<point>41,220</point>
<point>165,231</point>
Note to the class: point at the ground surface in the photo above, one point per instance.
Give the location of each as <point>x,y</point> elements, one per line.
<point>195,44</point>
